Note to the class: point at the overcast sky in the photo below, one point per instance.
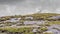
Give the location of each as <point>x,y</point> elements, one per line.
<point>12,7</point>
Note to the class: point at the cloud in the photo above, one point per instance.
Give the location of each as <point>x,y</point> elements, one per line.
<point>12,7</point>
<point>33,3</point>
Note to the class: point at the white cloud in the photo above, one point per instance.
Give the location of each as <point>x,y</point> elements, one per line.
<point>14,9</point>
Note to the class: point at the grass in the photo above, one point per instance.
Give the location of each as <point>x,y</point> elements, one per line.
<point>10,29</point>
<point>29,30</point>
<point>25,30</point>
<point>54,22</point>
<point>48,33</point>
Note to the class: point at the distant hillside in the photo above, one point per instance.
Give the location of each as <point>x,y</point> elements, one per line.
<point>36,16</point>
<point>43,15</point>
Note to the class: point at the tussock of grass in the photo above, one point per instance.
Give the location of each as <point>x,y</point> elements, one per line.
<point>54,22</point>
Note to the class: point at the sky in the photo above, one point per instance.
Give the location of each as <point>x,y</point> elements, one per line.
<point>23,7</point>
